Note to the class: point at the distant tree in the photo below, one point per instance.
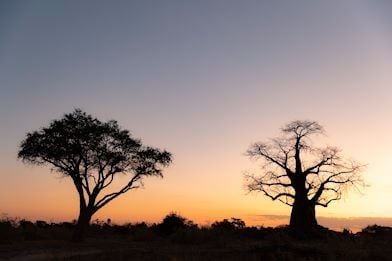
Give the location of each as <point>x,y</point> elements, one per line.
<point>226,224</point>
<point>173,222</point>
<point>300,175</point>
<point>94,155</point>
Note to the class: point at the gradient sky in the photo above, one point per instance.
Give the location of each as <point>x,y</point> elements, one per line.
<point>202,79</point>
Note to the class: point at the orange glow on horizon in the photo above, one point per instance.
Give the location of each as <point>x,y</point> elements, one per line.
<point>202,83</point>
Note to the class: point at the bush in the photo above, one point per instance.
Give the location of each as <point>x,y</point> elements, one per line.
<point>173,222</point>
<point>226,224</point>
<point>29,230</point>
<point>8,230</point>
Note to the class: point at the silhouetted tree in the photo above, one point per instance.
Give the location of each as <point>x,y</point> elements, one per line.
<point>301,175</point>
<point>94,155</point>
<point>226,224</point>
<point>173,222</point>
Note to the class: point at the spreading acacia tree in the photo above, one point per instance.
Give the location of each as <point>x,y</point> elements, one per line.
<point>301,175</point>
<point>97,156</point>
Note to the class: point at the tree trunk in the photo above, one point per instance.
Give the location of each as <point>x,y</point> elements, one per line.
<point>82,224</point>
<point>303,217</point>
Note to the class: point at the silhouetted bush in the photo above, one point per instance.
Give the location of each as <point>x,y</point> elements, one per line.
<point>29,230</point>
<point>226,224</point>
<point>41,224</point>
<point>377,231</point>
<point>8,230</point>
<point>173,222</point>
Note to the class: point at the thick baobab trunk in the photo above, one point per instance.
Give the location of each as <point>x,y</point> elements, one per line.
<point>82,224</point>
<point>303,217</point>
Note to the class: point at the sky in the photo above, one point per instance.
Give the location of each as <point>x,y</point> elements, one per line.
<point>202,79</point>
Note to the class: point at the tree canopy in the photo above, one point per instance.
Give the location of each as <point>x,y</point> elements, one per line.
<point>299,174</point>
<point>93,154</point>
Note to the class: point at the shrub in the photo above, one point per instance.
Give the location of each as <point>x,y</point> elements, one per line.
<point>173,222</point>
<point>226,224</point>
<point>8,230</point>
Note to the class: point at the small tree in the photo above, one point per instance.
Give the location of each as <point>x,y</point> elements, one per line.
<point>229,224</point>
<point>93,154</point>
<point>173,222</point>
<point>301,175</point>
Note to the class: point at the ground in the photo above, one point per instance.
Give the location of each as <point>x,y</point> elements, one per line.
<point>185,241</point>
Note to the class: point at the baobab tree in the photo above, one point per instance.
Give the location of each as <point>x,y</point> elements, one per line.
<point>95,155</point>
<point>301,175</point>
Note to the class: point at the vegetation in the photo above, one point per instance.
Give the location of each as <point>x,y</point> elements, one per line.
<point>177,238</point>
<point>300,175</point>
<point>94,155</point>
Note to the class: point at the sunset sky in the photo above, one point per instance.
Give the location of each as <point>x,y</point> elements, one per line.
<point>202,79</point>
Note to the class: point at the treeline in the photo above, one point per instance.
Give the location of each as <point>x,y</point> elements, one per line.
<point>173,226</point>
<point>177,238</point>
<point>14,229</point>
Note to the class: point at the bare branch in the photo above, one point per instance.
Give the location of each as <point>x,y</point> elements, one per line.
<point>292,166</point>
